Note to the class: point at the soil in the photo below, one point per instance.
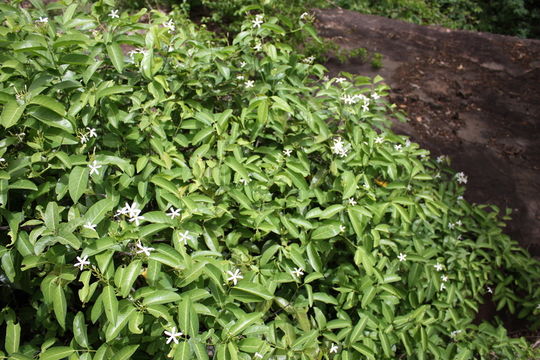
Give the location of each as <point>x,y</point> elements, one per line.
<point>472,96</point>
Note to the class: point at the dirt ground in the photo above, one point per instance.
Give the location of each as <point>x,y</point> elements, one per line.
<point>472,96</point>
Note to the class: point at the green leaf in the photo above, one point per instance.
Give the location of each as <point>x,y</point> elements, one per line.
<point>24,185</point>
<point>13,337</point>
<point>52,216</point>
<point>187,318</point>
<point>59,305</point>
<point>79,330</point>
<point>78,181</point>
<point>250,292</point>
<point>56,353</point>
<point>349,184</point>
<point>116,55</point>
<point>110,303</point>
<point>331,211</point>
<point>183,351</point>
<point>49,103</point>
<point>325,232</point>
<point>161,297</point>
<point>11,113</point>
<point>237,167</point>
<point>126,352</point>
<point>124,315</point>
<point>97,212</point>
<point>243,322</point>
<point>129,276</point>
<point>112,90</point>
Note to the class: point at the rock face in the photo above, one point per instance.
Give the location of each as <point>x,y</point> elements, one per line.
<point>472,96</point>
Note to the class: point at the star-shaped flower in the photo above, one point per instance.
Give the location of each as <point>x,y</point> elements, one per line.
<point>257,22</point>
<point>407,143</point>
<point>442,287</point>
<point>287,152</point>
<point>249,84</point>
<point>240,77</point>
<point>334,348</point>
<point>90,226</point>
<point>84,139</point>
<point>352,202</point>
<point>402,257</point>
<point>2,160</point>
<point>173,213</point>
<point>244,181</point>
<point>136,219</point>
<point>461,178</point>
<point>114,14</point>
<point>184,236</point>
<point>438,267</point>
<point>365,107</point>
<point>444,278</point>
<point>91,132</point>
<point>397,147</point>
<point>342,228</point>
<point>143,249</point>
<point>441,158</point>
<point>339,147</point>
<point>234,276</point>
<point>379,140</point>
<point>257,47</point>
<point>170,25</point>
<point>131,210</point>
<point>297,272</point>
<point>304,14</point>
<point>94,167</point>
<point>82,261</point>
<point>339,80</point>
<point>454,333</point>
<point>173,335</point>
<point>489,290</point>
<point>42,20</point>
<point>242,64</point>
<point>375,96</point>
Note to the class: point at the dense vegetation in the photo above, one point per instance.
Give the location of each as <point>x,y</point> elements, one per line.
<point>167,193</point>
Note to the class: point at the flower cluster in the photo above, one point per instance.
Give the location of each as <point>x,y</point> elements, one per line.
<point>132,211</point>
<point>461,178</point>
<point>339,147</point>
<point>354,99</point>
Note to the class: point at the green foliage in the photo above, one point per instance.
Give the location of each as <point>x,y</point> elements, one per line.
<point>166,194</point>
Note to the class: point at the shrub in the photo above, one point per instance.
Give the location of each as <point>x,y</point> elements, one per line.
<point>197,199</point>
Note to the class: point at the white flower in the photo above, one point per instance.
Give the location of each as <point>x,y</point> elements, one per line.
<point>298,272</point>
<point>352,202</point>
<point>170,25</point>
<point>82,261</point>
<point>258,355</point>
<point>244,181</point>
<point>136,219</point>
<point>309,60</point>
<point>334,348</point>
<point>451,225</point>
<point>185,236</point>
<point>94,167</point>
<point>2,160</point>
<point>287,152</point>
<point>42,20</point>
<point>257,47</point>
<point>242,64</point>
<point>438,267</point>
<point>349,100</point>
<point>454,333</point>
<point>365,107</point>
<point>257,22</point>
<point>342,228</point>
<point>459,237</point>
<point>339,80</point>
<point>90,226</point>
<point>84,139</point>
<point>240,77</point>
<point>437,175</point>
<point>489,290</point>
<point>173,335</point>
<point>444,278</point>
<point>114,14</point>
<point>131,211</point>
<point>249,84</point>
<point>143,249</point>
<point>460,197</point>
<point>397,147</point>
<point>173,213</point>
<point>339,147</point>
<point>375,96</point>
<point>91,132</point>
<point>365,186</point>
<point>234,276</point>
<point>461,178</point>
<point>442,287</point>
<point>407,143</point>
<point>304,15</point>
<point>459,223</point>
<point>402,257</point>
<point>379,140</point>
